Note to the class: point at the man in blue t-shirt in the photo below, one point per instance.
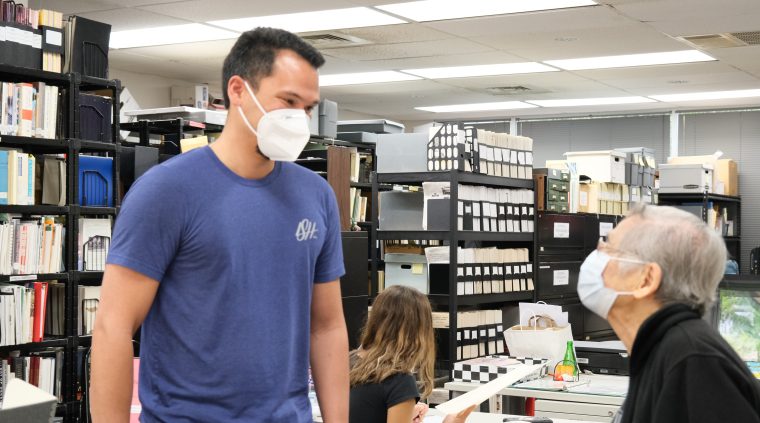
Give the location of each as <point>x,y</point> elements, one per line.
<point>229,257</point>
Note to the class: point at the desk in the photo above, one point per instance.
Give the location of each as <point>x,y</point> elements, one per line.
<point>486,418</point>
<point>579,405</point>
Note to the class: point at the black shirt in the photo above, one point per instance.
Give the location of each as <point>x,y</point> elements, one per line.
<point>369,403</point>
<point>683,371</point>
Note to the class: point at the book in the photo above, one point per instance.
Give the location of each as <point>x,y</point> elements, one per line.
<point>40,308</point>
<point>94,242</point>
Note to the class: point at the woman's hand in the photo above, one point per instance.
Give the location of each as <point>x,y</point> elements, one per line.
<point>460,417</point>
<point>419,412</point>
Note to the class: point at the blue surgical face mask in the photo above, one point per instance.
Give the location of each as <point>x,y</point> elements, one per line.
<point>591,289</point>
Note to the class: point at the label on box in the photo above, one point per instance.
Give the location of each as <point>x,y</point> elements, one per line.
<point>417,268</point>
<point>561,230</point>
<point>605,228</point>
<point>561,277</point>
<point>54,37</point>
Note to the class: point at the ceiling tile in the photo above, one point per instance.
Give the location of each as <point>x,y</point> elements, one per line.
<point>405,33</point>
<point>651,11</point>
<point>693,74</point>
<point>408,50</point>
<point>552,82</point>
<point>210,10</point>
<point>484,58</point>
<point>631,39</point>
<point>549,21</point>
<point>707,24</point>
<point>202,53</point>
<point>124,19</point>
<point>68,7</point>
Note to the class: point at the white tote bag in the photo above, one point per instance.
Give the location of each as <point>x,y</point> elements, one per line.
<point>540,339</point>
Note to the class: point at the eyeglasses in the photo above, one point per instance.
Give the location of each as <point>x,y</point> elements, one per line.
<point>614,253</point>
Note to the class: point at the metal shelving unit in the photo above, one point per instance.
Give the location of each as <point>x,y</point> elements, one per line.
<point>733,242</point>
<point>72,146</point>
<point>454,238</point>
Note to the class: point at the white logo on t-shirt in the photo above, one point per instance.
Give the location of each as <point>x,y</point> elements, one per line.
<point>306,230</point>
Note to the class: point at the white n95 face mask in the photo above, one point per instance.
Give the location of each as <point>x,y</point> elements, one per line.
<point>591,289</point>
<point>282,134</point>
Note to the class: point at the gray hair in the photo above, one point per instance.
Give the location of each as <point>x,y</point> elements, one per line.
<point>692,256</point>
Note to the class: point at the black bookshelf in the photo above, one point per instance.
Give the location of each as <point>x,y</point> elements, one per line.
<point>452,302</point>
<point>463,177</point>
<point>68,142</point>
<point>482,299</point>
<point>57,342</point>
<point>733,204</point>
<point>34,210</point>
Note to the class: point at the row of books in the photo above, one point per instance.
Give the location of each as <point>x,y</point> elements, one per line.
<point>33,38</point>
<point>43,370</point>
<point>29,109</point>
<point>18,172</point>
<point>357,205</point>
<point>23,311</point>
<point>35,310</point>
<point>31,246</point>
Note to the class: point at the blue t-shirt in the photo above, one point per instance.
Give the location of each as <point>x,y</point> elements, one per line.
<point>227,336</point>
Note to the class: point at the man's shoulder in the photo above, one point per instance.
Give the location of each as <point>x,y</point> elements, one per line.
<point>180,169</point>
<point>300,175</point>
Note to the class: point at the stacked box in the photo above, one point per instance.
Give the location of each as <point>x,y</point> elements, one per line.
<point>497,154</point>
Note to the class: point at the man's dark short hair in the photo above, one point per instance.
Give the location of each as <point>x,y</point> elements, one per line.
<point>252,56</point>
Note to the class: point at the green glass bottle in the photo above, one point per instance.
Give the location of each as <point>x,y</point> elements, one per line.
<point>567,369</point>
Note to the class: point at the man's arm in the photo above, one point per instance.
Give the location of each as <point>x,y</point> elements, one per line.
<point>126,297</point>
<point>329,352</point>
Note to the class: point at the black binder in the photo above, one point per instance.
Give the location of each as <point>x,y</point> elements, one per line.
<point>87,47</point>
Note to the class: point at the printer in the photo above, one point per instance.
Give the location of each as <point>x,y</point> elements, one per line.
<point>606,357</point>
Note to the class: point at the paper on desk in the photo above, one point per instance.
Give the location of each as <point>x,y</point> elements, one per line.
<point>477,396</point>
<point>528,310</point>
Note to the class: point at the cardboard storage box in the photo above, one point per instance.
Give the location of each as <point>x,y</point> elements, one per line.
<point>600,166</point>
<point>408,270</point>
<point>725,172</point>
<point>688,178</point>
<point>589,198</point>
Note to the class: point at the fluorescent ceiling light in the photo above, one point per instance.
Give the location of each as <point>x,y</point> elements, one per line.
<point>163,35</point>
<point>354,17</point>
<point>477,107</point>
<point>646,59</point>
<point>591,101</point>
<point>364,78</point>
<point>710,95</point>
<point>436,10</point>
<point>481,70</point>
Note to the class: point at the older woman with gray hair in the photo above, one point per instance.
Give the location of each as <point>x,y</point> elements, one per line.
<point>653,281</point>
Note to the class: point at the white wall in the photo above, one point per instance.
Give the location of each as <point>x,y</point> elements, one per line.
<point>150,91</point>
<point>345,114</point>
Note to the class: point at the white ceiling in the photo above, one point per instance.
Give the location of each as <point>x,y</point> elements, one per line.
<point>613,28</point>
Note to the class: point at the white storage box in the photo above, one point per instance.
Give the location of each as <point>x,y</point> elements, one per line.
<point>407,270</point>
<point>600,166</point>
<point>486,369</point>
<point>689,178</point>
